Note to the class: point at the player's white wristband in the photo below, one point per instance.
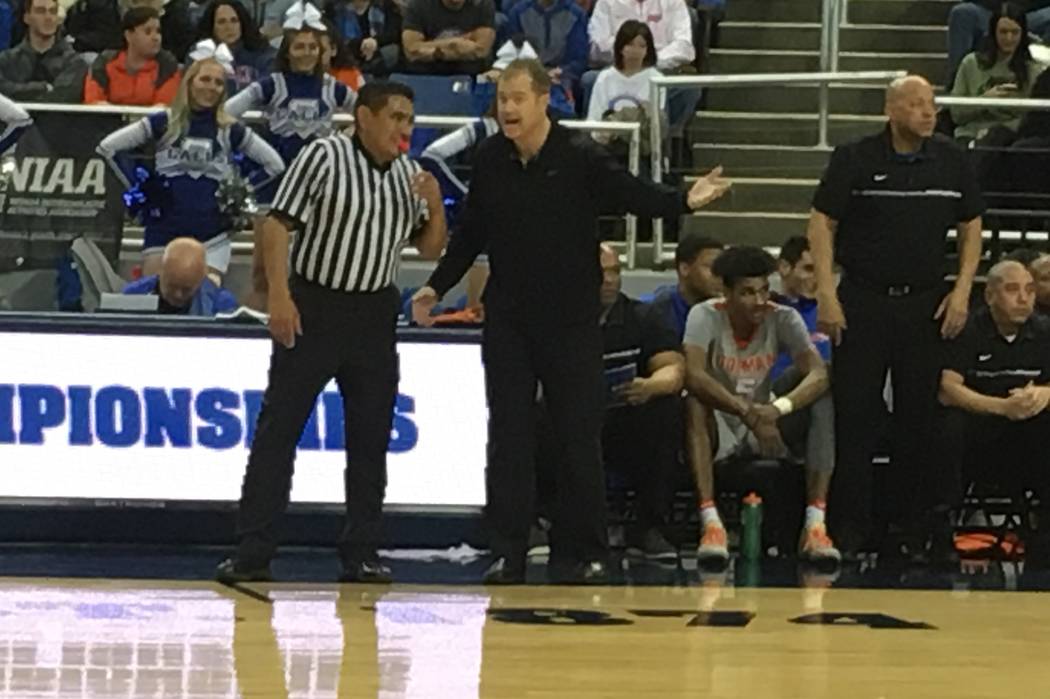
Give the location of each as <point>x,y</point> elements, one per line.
<point>784,406</point>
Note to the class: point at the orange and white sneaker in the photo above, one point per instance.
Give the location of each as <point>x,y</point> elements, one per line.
<point>816,546</point>
<point>712,546</point>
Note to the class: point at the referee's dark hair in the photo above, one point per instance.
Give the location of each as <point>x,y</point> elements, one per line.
<point>375,95</point>
<point>691,245</point>
<point>792,249</point>
<point>744,262</point>
<point>541,81</point>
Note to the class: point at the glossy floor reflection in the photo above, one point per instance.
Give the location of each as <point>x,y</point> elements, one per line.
<point>83,638</point>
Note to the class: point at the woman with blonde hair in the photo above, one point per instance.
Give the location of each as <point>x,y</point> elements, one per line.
<point>197,147</point>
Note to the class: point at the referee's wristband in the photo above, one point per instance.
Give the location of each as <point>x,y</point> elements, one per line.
<point>784,406</point>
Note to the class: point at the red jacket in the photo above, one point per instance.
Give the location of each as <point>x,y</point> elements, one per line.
<point>109,80</point>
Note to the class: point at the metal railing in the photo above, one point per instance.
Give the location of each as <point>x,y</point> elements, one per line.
<point>661,83</point>
<point>632,129</point>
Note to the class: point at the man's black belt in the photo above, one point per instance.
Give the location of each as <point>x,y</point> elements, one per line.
<point>892,290</point>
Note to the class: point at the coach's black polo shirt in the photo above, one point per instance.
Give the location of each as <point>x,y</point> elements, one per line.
<point>894,210</point>
<point>635,331</point>
<point>992,365</point>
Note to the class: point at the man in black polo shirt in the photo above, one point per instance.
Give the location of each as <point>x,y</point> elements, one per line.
<point>642,433</point>
<point>882,212</point>
<point>996,386</point>
<point>533,205</point>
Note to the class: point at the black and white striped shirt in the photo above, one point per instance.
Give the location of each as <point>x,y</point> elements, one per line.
<point>354,217</point>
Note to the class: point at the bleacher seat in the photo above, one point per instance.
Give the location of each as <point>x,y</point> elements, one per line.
<point>437,95</point>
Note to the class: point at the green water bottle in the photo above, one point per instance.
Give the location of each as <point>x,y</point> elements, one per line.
<point>751,519</point>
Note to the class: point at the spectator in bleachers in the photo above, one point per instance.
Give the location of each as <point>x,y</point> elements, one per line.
<point>449,37</point>
<point>196,145</point>
<point>623,88</point>
<point>299,101</point>
<point>968,25</point>
<point>1040,270</point>
<point>182,283</point>
<point>996,388</point>
<point>44,67</point>
<point>14,120</point>
<point>337,61</point>
<point>668,20</point>
<point>371,30</point>
<point>693,258</point>
<point>228,22</point>
<point>143,74</point>
<point>730,347</point>
<point>557,30</point>
<point>642,432</point>
<point>798,290</point>
<point>1002,67</point>
<point>95,25</point>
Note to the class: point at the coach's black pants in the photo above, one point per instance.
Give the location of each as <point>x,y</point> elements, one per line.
<point>567,361</point>
<point>884,333</point>
<point>351,338</point>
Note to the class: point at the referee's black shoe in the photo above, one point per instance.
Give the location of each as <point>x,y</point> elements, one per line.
<point>371,571</point>
<point>231,572</point>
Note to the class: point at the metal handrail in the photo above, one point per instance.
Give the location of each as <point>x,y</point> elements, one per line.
<point>1022,103</point>
<point>633,129</point>
<point>660,83</point>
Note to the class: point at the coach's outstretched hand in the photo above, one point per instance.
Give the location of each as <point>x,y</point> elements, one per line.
<point>708,188</point>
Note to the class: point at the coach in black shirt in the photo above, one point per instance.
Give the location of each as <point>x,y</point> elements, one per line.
<point>882,212</point>
<point>355,202</point>
<point>996,388</point>
<point>534,199</point>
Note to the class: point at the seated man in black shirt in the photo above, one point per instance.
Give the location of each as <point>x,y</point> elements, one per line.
<point>642,429</point>
<point>996,386</point>
<point>642,432</point>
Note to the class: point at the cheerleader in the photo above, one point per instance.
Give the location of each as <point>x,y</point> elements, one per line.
<point>298,101</point>
<point>13,122</point>
<point>197,148</point>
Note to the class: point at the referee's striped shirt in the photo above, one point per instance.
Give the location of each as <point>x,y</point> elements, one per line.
<point>354,217</point>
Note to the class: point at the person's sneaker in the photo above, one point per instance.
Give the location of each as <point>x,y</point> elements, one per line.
<point>815,545</point>
<point>713,548</point>
<point>366,572</point>
<point>231,572</point>
<point>651,544</point>
<point>539,542</point>
<point>502,572</point>
<point>591,573</point>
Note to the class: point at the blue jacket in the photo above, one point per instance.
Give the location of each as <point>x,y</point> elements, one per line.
<point>558,33</point>
<point>208,301</point>
<point>807,308</point>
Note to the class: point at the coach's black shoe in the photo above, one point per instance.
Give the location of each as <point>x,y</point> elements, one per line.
<point>231,572</point>
<point>501,572</point>
<point>366,572</point>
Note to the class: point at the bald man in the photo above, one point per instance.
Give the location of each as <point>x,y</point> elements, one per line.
<point>183,284</point>
<point>995,387</point>
<point>882,212</point>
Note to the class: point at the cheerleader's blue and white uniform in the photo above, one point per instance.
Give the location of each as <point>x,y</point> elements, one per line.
<point>192,165</point>
<point>298,109</point>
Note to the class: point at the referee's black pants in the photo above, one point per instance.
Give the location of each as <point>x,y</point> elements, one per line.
<point>350,337</point>
<point>896,334</point>
<point>567,361</point>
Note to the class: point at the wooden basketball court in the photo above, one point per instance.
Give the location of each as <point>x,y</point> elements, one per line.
<point>94,638</point>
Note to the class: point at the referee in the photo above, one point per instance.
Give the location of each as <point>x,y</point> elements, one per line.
<point>356,202</point>
<point>535,195</point>
<point>883,211</point>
